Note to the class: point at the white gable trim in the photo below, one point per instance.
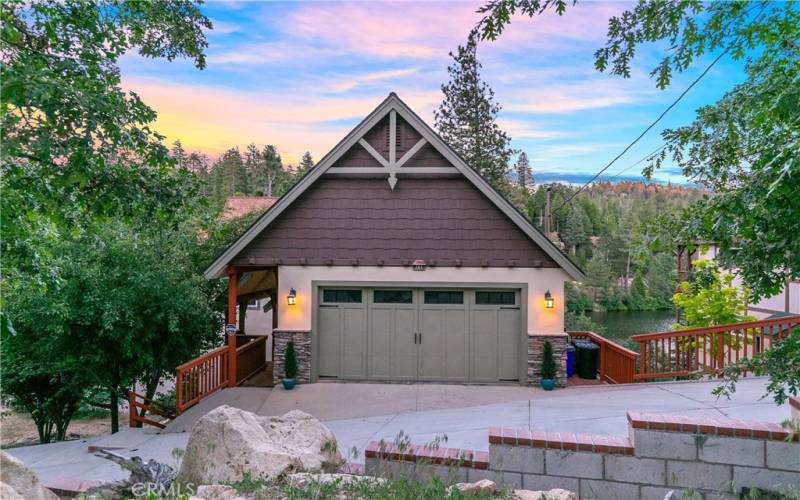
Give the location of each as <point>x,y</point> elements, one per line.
<point>392,104</point>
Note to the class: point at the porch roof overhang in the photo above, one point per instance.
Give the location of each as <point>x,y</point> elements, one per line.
<point>256,284</point>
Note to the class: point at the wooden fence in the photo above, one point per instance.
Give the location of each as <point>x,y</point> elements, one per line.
<point>201,377</point>
<point>136,402</point>
<point>698,351</point>
<point>617,364</point>
<point>251,357</point>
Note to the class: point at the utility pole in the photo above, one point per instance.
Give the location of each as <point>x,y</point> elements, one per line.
<point>547,213</point>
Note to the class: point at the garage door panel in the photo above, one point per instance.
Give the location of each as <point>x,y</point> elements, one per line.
<point>381,349</point>
<point>455,344</point>
<point>431,350</point>
<point>353,343</point>
<point>508,339</point>
<point>405,350</point>
<point>484,345</point>
<point>329,340</point>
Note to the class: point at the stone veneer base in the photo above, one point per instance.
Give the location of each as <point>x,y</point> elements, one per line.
<point>535,349</point>
<point>302,351</point>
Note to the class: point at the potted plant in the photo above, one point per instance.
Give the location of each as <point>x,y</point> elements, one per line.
<point>548,367</point>
<point>289,367</point>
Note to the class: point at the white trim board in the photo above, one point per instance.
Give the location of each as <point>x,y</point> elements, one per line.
<point>392,105</point>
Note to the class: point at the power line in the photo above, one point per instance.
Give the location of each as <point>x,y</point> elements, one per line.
<point>653,124</point>
<point>649,155</point>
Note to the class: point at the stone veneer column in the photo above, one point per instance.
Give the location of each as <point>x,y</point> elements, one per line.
<point>535,348</point>
<point>302,351</point>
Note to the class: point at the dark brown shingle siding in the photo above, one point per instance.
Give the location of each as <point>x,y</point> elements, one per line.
<point>442,220</point>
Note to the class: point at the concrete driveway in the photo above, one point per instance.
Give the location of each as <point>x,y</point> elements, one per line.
<point>359,413</point>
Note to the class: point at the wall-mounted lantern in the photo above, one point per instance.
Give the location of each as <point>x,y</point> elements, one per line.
<point>548,300</point>
<point>291,299</point>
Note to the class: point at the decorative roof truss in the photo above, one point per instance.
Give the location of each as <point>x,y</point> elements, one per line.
<point>392,165</point>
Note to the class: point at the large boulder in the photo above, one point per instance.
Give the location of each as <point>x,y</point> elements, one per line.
<point>15,476</point>
<point>229,443</point>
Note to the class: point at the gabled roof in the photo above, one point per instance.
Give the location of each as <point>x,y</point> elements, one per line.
<point>392,103</point>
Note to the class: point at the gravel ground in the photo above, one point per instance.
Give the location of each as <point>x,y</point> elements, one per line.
<point>18,429</point>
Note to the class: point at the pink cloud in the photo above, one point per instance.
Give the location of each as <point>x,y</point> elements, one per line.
<point>212,119</point>
<point>431,30</point>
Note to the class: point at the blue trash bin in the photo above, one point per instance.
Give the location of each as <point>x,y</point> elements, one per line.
<point>570,360</point>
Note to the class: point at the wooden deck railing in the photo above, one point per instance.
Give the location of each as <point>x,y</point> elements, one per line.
<point>698,351</point>
<point>200,378</point>
<point>617,364</point>
<point>134,405</point>
<point>251,358</point>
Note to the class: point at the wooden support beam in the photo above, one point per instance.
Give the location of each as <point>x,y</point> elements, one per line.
<point>233,287</point>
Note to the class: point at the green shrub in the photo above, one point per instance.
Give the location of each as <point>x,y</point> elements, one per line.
<point>548,361</point>
<point>290,361</point>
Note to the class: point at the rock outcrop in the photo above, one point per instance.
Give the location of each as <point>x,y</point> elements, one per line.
<point>17,479</point>
<point>228,444</point>
<point>482,487</point>
<point>554,494</point>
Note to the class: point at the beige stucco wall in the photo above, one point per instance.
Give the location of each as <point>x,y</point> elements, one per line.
<point>538,281</point>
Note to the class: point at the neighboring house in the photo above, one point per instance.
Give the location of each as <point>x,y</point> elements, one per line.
<point>395,261</point>
<point>239,206</point>
<point>786,302</point>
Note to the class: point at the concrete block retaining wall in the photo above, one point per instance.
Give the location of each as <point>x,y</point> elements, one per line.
<point>302,351</point>
<point>711,458</point>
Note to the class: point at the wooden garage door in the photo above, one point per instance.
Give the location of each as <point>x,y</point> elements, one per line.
<point>342,334</point>
<point>443,345</point>
<point>406,334</point>
<point>495,326</point>
<point>393,334</point>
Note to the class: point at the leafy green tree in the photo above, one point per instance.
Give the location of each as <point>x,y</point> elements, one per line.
<point>140,306</point>
<point>466,118</point>
<point>75,145</point>
<point>710,298</point>
<point>744,147</point>
<point>37,379</point>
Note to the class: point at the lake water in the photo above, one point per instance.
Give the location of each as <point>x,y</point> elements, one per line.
<point>622,324</point>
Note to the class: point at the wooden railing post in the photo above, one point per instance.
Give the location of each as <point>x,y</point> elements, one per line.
<point>179,392</point>
<point>720,353</point>
<point>603,358</point>
<point>642,357</point>
<point>132,409</point>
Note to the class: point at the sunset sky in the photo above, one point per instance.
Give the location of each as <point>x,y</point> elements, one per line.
<point>301,75</point>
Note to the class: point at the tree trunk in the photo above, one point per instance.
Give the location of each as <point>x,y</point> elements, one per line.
<point>627,270</point>
<point>113,397</point>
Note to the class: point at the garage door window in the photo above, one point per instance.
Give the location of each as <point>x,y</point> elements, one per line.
<point>495,298</point>
<point>445,297</point>
<point>392,297</point>
<point>342,296</point>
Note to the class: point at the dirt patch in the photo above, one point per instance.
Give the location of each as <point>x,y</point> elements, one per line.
<point>18,429</point>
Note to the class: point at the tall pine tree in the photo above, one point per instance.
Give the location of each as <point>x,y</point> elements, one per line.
<point>466,119</point>
<point>523,171</point>
<point>306,164</point>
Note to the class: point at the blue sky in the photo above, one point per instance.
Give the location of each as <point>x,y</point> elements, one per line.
<point>300,75</point>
